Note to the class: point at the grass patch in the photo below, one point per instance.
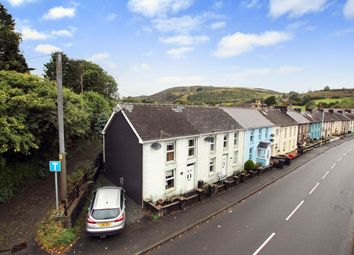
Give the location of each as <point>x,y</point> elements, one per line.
<point>53,237</point>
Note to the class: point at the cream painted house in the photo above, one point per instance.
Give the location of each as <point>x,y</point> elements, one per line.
<point>287,135</point>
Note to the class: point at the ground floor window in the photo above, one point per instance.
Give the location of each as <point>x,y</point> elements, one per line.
<point>261,153</point>
<point>212,165</point>
<point>235,159</point>
<point>250,154</point>
<point>170,179</point>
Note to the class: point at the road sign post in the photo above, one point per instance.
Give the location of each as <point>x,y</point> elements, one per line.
<point>55,166</point>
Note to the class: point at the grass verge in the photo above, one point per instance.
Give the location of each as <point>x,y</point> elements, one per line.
<point>53,237</point>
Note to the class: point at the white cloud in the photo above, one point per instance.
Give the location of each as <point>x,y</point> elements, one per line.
<point>218,4</point>
<point>238,43</point>
<point>343,32</point>
<point>218,25</point>
<point>19,2</point>
<point>179,52</point>
<point>46,48</point>
<point>141,67</point>
<point>252,4</point>
<point>185,40</point>
<point>99,57</point>
<point>181,24</point>
<point>59,12</point>
<point>297,25</point>
<point>295,8</point>
<point>153,8</point>
<point>348,9</point>
<point>29,33</point>
<point>148,53</point>
<point>250,72</point>
<point>111,17</point>
<point>64,32</point>
<point>180,79</point>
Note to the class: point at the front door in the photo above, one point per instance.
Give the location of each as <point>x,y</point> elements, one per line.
<point>190,177</point>
<point>224,165</point>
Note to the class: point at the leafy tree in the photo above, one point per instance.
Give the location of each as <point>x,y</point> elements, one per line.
<point>249,165</point>
<point>28,113</point>
<point>327,88</point>
<point>10,56</point>
<point>270,101</point>
<point>81,75</point>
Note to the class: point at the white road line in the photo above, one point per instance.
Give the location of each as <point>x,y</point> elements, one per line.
<point>314,188</point>
<point>297,207</point>
<point>324,176</point>
<point>340,159</point>
<point>334,165</point>
<point>264,244</point>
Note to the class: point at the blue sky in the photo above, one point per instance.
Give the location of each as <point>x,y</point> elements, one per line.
<point>150,45</point>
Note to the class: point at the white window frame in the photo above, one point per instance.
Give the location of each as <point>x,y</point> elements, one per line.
<point>212,163</point>
<point>213,144</point>
<point>266,133</point>
<point>169,151</point>
<point>260,134</point>
<point>285,132</point>
<point>252,136</point>
<point>225,141</point>
<point>173,177</point>
<point>235,158</point>
<point>193,147</point>
<point>250,153</point>
<point>236,137</point>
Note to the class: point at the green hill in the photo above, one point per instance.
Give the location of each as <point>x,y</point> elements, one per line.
<point>208,95</point>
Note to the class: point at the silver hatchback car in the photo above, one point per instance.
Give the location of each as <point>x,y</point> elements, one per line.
<point>106,213</point>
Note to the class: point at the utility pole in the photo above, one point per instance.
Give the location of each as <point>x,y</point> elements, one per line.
<point>62,154</point>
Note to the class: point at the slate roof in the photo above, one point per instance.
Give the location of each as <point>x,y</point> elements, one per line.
<point>312,117</point>
<point>154,122</point>
<point>279,118</point>
<point>263,145</point>
<point>298,117</point>
<point>248,118</point>
<point>349,115</point>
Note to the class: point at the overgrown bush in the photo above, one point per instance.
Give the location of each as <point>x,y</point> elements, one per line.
<point>86,167</point>
<point>52,235</point>
<point>249,165</point>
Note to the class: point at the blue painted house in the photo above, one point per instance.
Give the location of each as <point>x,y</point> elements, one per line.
<point>315,125</point>
<point>258,134</point>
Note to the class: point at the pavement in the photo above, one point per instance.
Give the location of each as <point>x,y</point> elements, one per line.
<point>272,194</point>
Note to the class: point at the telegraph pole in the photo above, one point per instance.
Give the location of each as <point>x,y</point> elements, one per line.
<point>62,154</point>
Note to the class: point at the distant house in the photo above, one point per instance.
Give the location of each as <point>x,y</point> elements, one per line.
<point>304,126</point>
<point>161,151</point>
<point>348,114</point>
<point>258,134</point>
<point>286,134</point>
<point>315,125</point>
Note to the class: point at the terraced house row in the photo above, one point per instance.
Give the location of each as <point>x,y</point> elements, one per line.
<point>161,151</point>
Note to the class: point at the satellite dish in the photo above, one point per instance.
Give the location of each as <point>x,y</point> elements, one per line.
<point>156,146</point>
<point>208,139</point>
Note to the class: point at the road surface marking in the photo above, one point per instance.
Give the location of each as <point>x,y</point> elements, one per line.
<point>325,175</point>
<point>314,188</point>
<point>340,159</point>
<point>264,244</point>
<point>334,165</point>
<point>297,207</point>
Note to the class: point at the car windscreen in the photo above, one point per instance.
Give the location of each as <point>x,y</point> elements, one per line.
<point>105,214</point>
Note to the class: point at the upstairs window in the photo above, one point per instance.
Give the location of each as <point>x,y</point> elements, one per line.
<point>285,132</point>
<point>294,131</point>
<point>191,147</point>
<point>212,144</point>
<point>250,155</point>
<point>170,152</point>
<point>252,136</point>
<point>236,139</point>
<point>225,142</point>
<point>266,133</point>
<point>260,134</point>
<point>291,128</point>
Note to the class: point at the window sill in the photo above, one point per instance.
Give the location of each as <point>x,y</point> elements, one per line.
<point>170,162</point>
<point>170,190</point>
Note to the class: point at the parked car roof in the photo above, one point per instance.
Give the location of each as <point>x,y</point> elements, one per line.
<point>107,197</point>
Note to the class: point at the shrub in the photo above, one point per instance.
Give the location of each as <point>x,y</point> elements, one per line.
<point>249,165</point>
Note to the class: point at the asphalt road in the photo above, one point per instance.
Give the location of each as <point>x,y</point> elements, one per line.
<point>309,211</point>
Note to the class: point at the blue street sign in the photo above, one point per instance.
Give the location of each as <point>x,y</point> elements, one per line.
<point>54,166</point>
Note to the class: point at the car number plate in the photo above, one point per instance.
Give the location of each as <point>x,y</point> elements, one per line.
<point>106,224</point>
